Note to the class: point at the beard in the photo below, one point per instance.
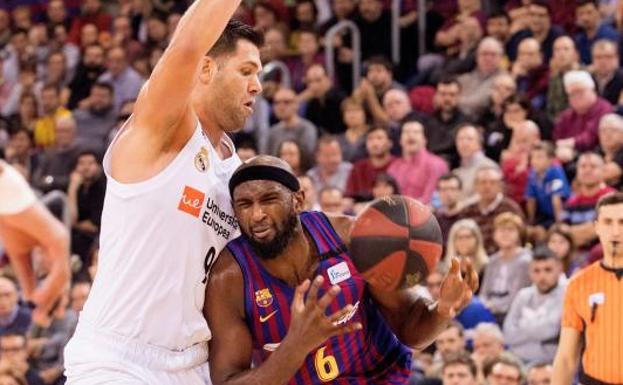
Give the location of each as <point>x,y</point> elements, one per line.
<point>273,248</point>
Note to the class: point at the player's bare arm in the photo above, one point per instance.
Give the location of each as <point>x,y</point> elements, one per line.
<point>567,356</point>
<point>231,343</point>
<point>415,320</point>
<point>36,227</point>
<point>162,120</point>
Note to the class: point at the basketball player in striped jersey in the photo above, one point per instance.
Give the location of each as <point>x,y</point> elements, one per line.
<point>167,212</point>
<point>287,297</point>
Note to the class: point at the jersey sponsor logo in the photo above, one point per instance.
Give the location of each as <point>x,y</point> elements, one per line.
<point>263,298</point>
<point>347,317</point>
<point>269,316</point>
<point>202,160</point>
<point>338,273</point>
<point>192,201</point>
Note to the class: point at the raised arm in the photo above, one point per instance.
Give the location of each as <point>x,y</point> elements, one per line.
<point>165,98</point>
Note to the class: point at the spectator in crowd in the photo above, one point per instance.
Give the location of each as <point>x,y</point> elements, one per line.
<point>576,127</point>
<point>323,101</point>
<point>122,36</point>
<point>449,190</point>
<point>95,117</point>
<point>591,315</point>
<point>126,82</point>
<point>515,160</point>
<point>309,54</point>
<point>507,270</point>
<point>491,202</point>
<point>449,34</point>
<point>532,325</point>
<point>19,153</point>
<point>579,210</point>
<point>14,354</point>
<point>468,141</point>
<point>503,87</point>
<point>531,72</point>
<point>330,169</point>
<point>476,85</point>
<point>26,117</point>
<point>87,73</point>
<point>418,170</point>
<point>291,125</point>
<point>440,128</point>
<point>565,58</point>
<point>14,318</point>
<point>374,25</point>
<point>398,108</point>
<point>540,374</point>
<point>364,171</point>
<point>78,296</point>
<point>449,342</point>
<point>292,152</point>
<point>547,187</point>
<point>560,242</point>
<point>92,13</point>
<point>459,369</point>
<point>498,26</point>
<point>488,343</point>
<point>371,90</point>
<point>384,185</point>
<point>465,241</point>
<point>245,146</point>
<point>504,370</point>
<point>330,200</point>
<point>592,29</point>
<point>45,126</point>
<point>611,147</point>
<point>87,187</point>
<point>539,26</point>
<point>353,139</point>
<point>57,161</point>
<point>606,70</point>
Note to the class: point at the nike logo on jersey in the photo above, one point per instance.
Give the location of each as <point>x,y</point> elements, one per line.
<point>264,319</point>
<point>271,347</point>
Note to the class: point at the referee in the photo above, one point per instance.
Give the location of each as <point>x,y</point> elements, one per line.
<point>593,308</point>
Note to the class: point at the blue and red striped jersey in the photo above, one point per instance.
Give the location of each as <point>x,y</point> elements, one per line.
<point>373,355</point>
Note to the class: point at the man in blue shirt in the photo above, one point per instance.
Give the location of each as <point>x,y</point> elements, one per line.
<point>592,29</point>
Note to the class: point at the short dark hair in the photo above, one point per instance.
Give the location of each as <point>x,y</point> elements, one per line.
<point>450,176</point>
<point>86,152</point>
<point>378,127</point>
<point>390,180</point>
<point>461,358</point>
<point>581,3</point>
<point>104,85</point>
<point>51,87</point>
<point>454,324</point>
<point>610,199</point>
<point>543,253</point>
<point>504,359</point>
<point>542,4</point>
<point>380,60</point>
<point>234,31</point>
<point>546,147</point>
<point>449,79</point>
<point>500,15</point>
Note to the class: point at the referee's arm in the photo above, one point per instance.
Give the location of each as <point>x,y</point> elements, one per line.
<point>567,356</point>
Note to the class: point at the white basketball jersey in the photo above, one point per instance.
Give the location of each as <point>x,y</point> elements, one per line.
<point>158,240</point>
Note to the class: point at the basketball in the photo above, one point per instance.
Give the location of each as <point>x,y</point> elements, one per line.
<point>395,243</point>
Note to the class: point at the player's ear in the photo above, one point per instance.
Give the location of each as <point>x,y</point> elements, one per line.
<point>207,68</point>
<point>299,200</point>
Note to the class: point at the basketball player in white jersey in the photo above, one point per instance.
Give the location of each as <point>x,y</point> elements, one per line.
<point>167,211</point>
<point>25,224</point>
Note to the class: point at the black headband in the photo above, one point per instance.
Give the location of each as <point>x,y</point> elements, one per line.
<point>263,172</point>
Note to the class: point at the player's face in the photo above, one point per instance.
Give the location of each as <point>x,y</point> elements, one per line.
<point>458,375</point>
<point>268,214</point>
<point>609,229</point>
<point>234,86</point>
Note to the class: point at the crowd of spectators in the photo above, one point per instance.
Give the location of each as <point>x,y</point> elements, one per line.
<point>508,127</point>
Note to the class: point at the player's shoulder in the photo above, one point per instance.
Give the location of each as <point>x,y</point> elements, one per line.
<point>584,276</point>
<point>342,225</point>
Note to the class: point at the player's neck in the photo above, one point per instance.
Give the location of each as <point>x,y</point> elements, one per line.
<point>296,262</point>
<point>613,262</point>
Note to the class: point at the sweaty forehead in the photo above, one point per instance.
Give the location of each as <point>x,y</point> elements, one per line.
<point>257,188</point>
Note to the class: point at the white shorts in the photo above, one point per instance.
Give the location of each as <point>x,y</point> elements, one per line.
<point>93,357</point>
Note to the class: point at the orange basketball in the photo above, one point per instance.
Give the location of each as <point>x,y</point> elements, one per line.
<point>395,242</point>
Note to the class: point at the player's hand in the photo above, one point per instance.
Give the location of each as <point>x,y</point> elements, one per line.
<point>309,326</point>
<point>456,292</point>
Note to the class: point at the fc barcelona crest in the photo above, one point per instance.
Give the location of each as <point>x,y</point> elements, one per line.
<point>263,298</point>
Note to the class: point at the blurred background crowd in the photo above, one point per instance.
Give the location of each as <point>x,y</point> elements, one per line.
<point>503,116</point>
